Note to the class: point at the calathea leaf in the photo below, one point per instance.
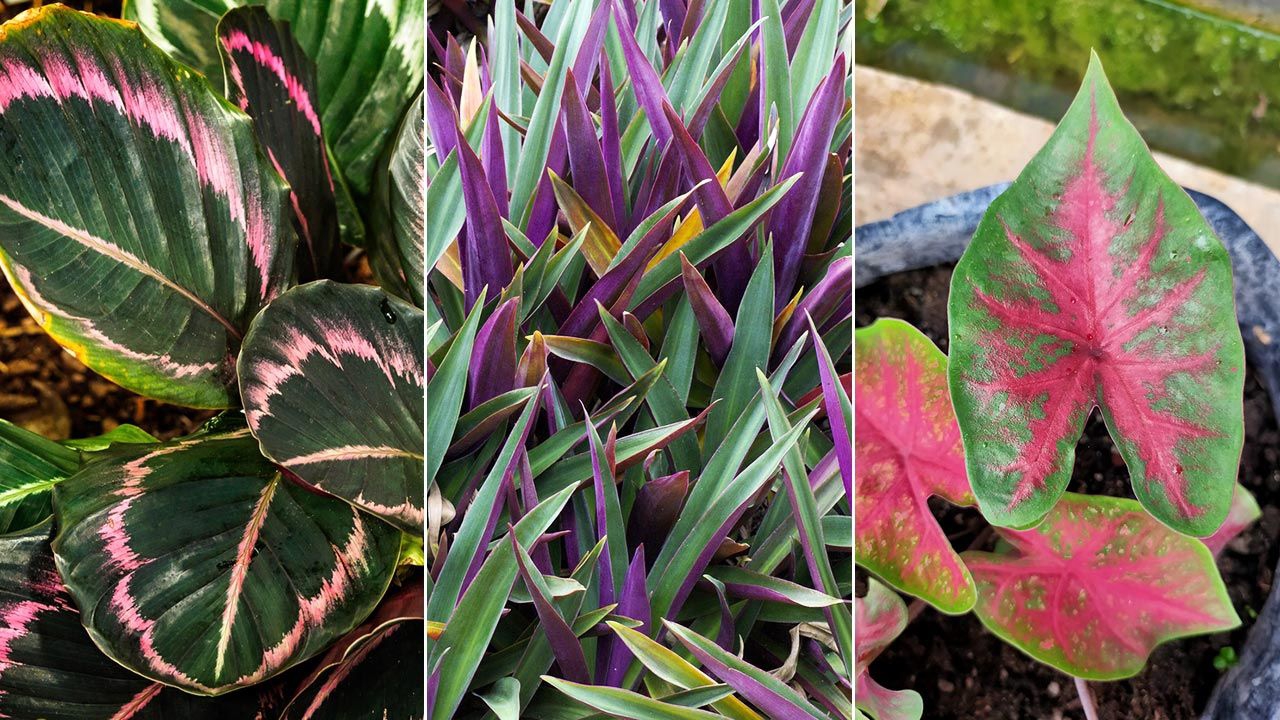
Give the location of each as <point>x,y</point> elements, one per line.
<point>141,226</point>
<point>1096,586</point>
<point>196,563</point>
<point>50,668</point>
<point>1095,282</point>
<point>30,466</point>
<point>368,53</point>
<point>406,203</point>
<point>908,449</point>
<point>332,379</point>
<point>375,671</point>
<point>880,617</point>
<point>272,80</point>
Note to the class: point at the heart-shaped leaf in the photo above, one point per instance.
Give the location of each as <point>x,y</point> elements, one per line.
<point>369,57</point>
<point>141,226</point>
<point>197,564</point>
<point>1096,586</point>
<point>880,617</point>
<point>50,668</point>
<point>1094,281</point>
<point>332,379</point>
<point>275,82</point>
<point>908,449</point>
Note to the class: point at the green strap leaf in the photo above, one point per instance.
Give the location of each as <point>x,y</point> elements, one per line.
<point>307,358</point>
<point>30,466</point>
<point>152,286</point>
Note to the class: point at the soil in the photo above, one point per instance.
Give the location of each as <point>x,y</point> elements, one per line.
<point>965,673</point>
<point>47,390</point>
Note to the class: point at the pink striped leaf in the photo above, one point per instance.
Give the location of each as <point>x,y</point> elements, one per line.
<point>1244,510</point>
<point>1096,586</point>
<point>199,564</point>
<point>880,617</point>
<point>272,80</point>
<point>141,226</point>
<point>332,381</point>
<point>369,57</point>
<point>50,668</point>
<point>907,449</point>
<point>374,671</point>
<point>1094,282</point>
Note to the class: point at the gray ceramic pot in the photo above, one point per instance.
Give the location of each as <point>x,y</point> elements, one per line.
<point>938,232</point>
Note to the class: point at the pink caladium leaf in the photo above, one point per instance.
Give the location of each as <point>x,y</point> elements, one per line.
<point>1244,510</point>
<point>907,448</point>
<point>880,617</point>
<point>1097,586</point>
<point>1095,282</point>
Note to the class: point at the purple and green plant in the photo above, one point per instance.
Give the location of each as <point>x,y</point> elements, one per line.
<point>638,268</point>
<point>158,218</point>
<point>1093,281</point>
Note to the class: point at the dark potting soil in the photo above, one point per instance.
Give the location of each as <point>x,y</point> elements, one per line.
<point>966,673</point>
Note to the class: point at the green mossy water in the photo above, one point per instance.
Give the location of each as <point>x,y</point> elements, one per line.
<point>1196,85</point>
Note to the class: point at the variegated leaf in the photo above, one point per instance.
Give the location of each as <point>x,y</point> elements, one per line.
<point>373,672</point>
<point>139,223</point>
<point>198,564</point>
<point>49,666</point>
<point>880,617</point>
<point>908,449</point>
<point>401,207</point>
<point>1094,282</point>
<point>369,57</point>
<point>1096,586</point>
<point>332,379</point>
<point>30,466</point>
<point>272,80</point>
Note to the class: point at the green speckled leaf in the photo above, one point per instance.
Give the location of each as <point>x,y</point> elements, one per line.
<point>198,564</point>
<point>138,221</point>
<point>333,381</point>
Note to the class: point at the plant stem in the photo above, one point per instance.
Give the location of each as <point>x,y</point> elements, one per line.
<point>1086,699</point>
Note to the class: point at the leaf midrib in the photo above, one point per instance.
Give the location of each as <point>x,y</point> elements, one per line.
<point>119,255</point>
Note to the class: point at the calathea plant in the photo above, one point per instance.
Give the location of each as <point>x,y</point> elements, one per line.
<point>156,221</point>
<point>637,300</point>
<point>1092,282</point>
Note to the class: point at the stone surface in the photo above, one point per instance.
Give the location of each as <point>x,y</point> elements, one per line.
<point>918,142</point>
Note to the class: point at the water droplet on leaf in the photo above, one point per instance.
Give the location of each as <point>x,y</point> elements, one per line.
<point>387,313</point>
